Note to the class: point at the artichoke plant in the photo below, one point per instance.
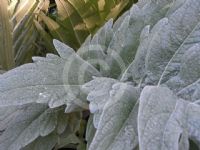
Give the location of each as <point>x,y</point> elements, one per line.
<point>138,77</point>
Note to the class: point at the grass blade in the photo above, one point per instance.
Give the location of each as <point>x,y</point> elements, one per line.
<point>6,50</point>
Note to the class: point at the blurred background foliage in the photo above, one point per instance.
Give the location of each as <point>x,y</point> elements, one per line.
<point>27,27</point>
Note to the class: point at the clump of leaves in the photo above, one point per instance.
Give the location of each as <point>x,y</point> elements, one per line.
<point>139,77</point>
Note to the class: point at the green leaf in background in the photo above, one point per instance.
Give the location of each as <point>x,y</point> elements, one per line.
<point>6,50</point>
<point>76,19</point>
<point>29,27</point>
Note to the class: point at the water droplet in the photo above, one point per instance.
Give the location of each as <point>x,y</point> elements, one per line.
<point>43,97</point>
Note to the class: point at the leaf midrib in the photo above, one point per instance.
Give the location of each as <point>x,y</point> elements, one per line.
<point>177,51</point>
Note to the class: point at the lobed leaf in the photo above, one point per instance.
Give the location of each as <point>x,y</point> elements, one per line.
<point>47,81</point>
<point>114,128</point>
<point>31,123</point>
